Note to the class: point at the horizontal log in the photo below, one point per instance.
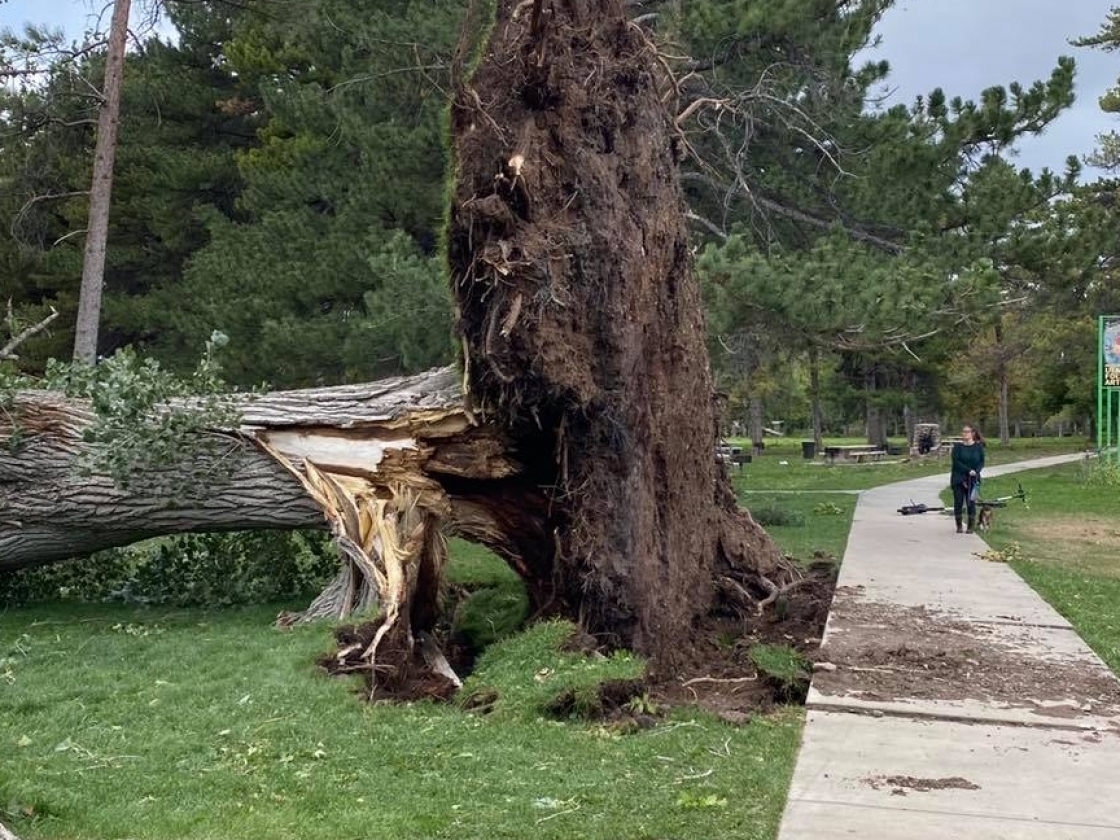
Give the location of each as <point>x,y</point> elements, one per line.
<point>409,430</point>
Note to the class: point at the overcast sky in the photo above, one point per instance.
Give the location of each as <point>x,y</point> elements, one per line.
<point>962,46</point>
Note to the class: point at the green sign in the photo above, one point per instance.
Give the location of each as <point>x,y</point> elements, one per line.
<point>1108,388</point>
<point>1110,351</point>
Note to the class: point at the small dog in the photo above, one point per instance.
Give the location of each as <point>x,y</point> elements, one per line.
<point>984,519</point>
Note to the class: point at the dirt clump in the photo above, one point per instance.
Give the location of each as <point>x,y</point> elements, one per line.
<point>901,785</point>
<point>886,652</point>
<point>606,701</point>
<point>407,679</point>
<point>718,674</point>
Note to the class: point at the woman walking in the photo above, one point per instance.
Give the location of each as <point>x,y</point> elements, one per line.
<point>968,461</point>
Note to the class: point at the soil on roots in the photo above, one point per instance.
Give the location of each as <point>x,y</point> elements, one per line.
<point>718,673</point>
<point>581,322</point>
<point>398,675</point>
<point>715,670</point>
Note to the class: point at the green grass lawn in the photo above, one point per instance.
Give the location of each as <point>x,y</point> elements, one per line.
<point>122,722</point>
<point>811,522</point>
<point>1069,538</point>
<point>819,521</point>
<point>782,467</point>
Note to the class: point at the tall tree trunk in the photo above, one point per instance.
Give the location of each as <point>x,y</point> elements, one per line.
<point>815,397</point>
<point>876,428</point>
<point>100,195</point>
<point>1003,377</point>
<point>581,323</point>
<point>755,417</point>
<point>1004,404</point>
<point>909,415</point>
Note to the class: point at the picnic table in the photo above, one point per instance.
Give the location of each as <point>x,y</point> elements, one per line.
<point>854,452</point>
<point>733,455</point>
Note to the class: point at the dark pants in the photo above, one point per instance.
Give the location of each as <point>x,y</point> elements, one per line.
<point>960,499</point>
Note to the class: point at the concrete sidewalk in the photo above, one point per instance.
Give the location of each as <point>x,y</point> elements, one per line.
<point>960,705</point>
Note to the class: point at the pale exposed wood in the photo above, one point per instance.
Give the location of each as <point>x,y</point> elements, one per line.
<point>5,834</point>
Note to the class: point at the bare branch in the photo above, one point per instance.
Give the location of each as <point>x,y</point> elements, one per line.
<point>796,214</point>
<point>31,202</point>
<point>712,227</point>
<point>825,224</point>
<point>66,236</point>
<point>7,352</point>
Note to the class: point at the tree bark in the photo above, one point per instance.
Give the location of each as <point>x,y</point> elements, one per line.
<point>909,406</point>
<point>581,322</point>
<point>815,397</point>
<point>1003,377</point>
<point>1004,404</point>
<point>100,196</point>
<point>876,428</point>
<point>755,416</point>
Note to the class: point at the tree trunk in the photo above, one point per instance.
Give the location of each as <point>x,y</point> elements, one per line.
<point>1003,377</point>
<point>815,397</point>
<point>97,234</point>
<point>909,415</point>
<point>581,321</point>
<point>876,428</point>
<point>755,411</point>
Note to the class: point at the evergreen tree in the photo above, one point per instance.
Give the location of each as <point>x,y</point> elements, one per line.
<point>330,270</point>
<point>1107,155</point>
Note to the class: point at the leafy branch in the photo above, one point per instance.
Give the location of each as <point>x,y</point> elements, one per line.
<point>146,417</point>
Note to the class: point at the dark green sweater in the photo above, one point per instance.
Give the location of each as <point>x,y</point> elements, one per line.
<point>966,458</point>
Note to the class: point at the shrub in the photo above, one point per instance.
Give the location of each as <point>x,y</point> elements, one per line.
<point>89,579</point>
<point>194,570</point>
<point>770,516</point>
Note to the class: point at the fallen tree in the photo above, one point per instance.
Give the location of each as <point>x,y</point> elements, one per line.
<point>579,440</point>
